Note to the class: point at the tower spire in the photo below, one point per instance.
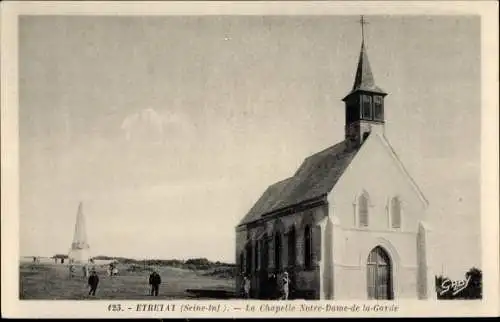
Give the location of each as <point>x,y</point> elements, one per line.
<point>365,102</point>
<point>364,79</point>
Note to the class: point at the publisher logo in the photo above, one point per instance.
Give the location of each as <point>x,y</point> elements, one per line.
<point>469,288</point>
<point>454,287</point>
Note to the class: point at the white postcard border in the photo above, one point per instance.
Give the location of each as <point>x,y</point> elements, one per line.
<point>488,10</point>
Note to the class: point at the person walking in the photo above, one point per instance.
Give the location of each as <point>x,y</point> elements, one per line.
<point>93,282</point>
<point>85,270</point>
<point>242,286</point>
<point>154,281</point>
<point>246,286</point>
<point>285,286</point>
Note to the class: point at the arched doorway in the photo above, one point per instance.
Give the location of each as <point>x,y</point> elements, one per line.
<point>379,275</point>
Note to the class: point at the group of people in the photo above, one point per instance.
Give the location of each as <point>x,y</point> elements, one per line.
<point>93,280</point>
<point>275,288</point>
<point>113,270</point>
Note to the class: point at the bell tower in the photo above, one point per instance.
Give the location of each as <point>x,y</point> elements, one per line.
<point>364,105</point>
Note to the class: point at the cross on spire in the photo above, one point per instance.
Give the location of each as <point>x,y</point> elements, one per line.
<point>363,22</point>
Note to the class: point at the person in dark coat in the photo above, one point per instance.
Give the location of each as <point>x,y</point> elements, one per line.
<point>93,282</point>
<point>154,281</point>
<point>273,285</point>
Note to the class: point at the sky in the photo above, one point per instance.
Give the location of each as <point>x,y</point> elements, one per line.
<point>168,129</point>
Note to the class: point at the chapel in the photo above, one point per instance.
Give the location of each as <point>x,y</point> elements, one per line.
<point>349,224</point>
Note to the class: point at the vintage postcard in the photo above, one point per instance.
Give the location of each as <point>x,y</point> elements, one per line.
<point>249,159</point>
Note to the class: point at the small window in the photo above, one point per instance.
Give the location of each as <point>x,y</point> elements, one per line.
<point>308,247</point>
<point>396,212</point>
<point>367,107</point>
<point>378,111</point>
<point>363,210</point>
<point>365,136</point>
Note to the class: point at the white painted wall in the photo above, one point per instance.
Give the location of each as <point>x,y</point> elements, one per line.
<point>375,171</point>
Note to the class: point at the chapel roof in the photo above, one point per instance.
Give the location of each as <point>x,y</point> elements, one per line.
<point>317,176</point>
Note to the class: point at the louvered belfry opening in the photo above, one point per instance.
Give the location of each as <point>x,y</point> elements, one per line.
<point>379,275</point>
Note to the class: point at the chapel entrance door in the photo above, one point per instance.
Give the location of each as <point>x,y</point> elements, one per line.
<point>379,275</point>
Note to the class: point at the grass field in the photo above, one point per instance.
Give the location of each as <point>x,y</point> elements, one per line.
<point>52,282</point>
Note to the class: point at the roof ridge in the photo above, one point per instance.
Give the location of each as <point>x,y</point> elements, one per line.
<point>401,165</point>
<point>325,149</point>
<point>281,181</point>
<point>317,175</point>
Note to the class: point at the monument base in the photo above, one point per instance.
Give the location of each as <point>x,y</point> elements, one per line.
<point>79,255</point>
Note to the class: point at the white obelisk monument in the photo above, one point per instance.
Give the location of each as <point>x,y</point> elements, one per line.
<point>80,249</point>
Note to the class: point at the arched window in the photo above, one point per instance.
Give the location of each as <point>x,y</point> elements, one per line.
<point>256,255</point>
<point>363,210</point>
<point>308,247</point>
<point>396,212</point>
<point>379,275</point>
<point>264,261</point>
<point>248,258</point>
<point>277,251</point>
<point>242,263</point>
<point>291,247</point>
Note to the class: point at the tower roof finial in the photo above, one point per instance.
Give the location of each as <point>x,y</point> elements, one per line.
<point>363,22</point>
